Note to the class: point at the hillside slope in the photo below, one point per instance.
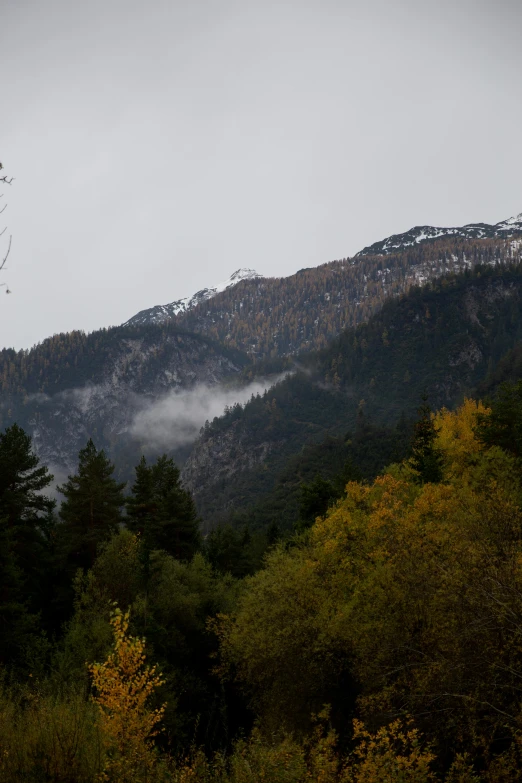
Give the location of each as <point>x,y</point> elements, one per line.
<point>441,339</point>
<point>275,317</point>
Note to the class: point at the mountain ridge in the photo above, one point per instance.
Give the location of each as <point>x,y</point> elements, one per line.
<point>275,317</point>
<point>420,234</point>
<point>160,313</point>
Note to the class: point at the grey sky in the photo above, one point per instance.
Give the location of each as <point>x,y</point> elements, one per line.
<point>158,146</point>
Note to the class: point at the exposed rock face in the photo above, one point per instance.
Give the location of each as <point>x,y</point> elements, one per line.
<point>218,458</point>
<point>139,372</point>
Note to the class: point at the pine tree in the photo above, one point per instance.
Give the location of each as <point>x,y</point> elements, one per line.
<point>162,511</point>
<point>91,511</point>
<point>25,519</point>
<point>314,501</point>
<point>502,426</point>
<point>22,481</point>
<point>228,551</point>
<point>426,459</point>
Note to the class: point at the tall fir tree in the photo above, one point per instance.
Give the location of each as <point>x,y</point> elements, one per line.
<point>426,459</point>
<point>502,425</point>
<point>92,509</point>
<point>25,525</point>
<point>162,511</point>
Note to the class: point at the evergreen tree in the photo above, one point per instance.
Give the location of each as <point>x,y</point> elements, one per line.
<point>16,622</point>
<point>503,425</point>
<point>162,511</point>
<point>426,459</point>
<point>25,520</point>
<point>22,480</point>
<point>91,511</point>
<point>314,501</point>
<point>229,551</point>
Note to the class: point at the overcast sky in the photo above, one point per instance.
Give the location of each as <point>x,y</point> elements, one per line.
<point>158,146</point>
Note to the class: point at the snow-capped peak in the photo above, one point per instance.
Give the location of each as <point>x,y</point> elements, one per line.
<point>159,313</point>
<point>512,221</point>
<point>421,234</point>
<point>235,278</point>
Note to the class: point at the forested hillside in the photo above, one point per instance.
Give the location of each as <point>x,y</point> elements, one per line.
<point>72,359</point>
<point>380,643</point>
<point>279,316</point>
<point>442,339</point>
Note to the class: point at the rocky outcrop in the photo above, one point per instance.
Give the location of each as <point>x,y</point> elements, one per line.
<point>139,372</point>
<point>217,458</point>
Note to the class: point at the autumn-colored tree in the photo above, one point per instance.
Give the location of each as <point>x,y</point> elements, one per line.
<point>394,753</point>
<point>411,592</point>
<point>123,687</point>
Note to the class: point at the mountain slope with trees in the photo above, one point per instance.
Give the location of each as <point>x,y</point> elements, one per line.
<point>75,386</point>
<point>442,340</point>
<point>276,317</point>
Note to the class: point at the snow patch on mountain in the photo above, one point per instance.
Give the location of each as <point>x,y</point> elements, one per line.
<point>160,313</point>
<point>420,234</point>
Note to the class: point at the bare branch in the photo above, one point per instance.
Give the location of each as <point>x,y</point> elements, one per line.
<point>2,264</point>
<point>6,181</point>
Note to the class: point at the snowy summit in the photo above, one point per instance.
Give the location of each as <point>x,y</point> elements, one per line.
<point>421,234</point>
<point>160,313</point>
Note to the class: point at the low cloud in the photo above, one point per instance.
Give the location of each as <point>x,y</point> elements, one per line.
<point>176,419</point>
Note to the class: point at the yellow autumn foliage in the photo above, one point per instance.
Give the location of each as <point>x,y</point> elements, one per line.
<point>123,687</point>
<point>409,595</point>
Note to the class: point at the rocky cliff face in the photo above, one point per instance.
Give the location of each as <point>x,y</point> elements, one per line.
<point>216,460</point>
<point>135,374</point>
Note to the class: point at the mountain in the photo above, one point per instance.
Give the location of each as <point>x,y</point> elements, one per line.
<point>443,339</point>
<point>161,313</point>
<point>422,234</point>
<point>75,386</point>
